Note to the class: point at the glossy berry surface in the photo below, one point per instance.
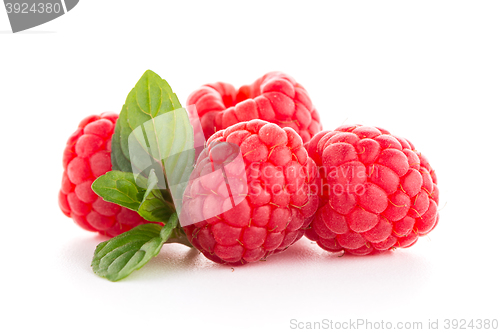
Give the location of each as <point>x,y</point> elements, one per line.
<point>377,191</point>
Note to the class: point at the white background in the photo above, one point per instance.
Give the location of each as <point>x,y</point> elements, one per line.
<point>426,70</point>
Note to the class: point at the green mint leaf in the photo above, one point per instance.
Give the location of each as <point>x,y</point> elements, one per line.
<point>120,188</point>
<point>139,194</point>
<point>152,96</point>
<point>119,161</point>
<point>179,162</point>
<point>118,257</point>
<point>153,206</point>
<point>153,133</point>
<point>165,145</point>
<point>152,182</point>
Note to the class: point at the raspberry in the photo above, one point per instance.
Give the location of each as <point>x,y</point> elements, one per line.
<point>250,193</point>
<point>275,97</point>
<point>87,156</point>
<point>377,192</point>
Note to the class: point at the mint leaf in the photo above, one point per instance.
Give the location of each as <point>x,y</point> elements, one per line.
<point>118,257</point>
<point>120,188</point>
<point>119,161</point>
<point>152,96</point>
<point>165,145</point>
<point>153,206</point>
<point>139,194</point>
<point>152,182</point>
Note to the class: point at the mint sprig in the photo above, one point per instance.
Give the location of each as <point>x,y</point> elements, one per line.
<point>153,141</point>
<point>153,138</point>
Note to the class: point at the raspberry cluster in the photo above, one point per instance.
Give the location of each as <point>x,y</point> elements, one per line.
<point>257,188</point>
<point>250,194</point>
<point>275,97</point>
<point>377,191</point>
<point>86,157</point>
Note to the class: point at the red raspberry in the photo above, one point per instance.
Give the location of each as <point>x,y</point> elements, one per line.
<point>275,97</point>
<point>249,195</point>
<point>87,156</point>
<point>377,193</point>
